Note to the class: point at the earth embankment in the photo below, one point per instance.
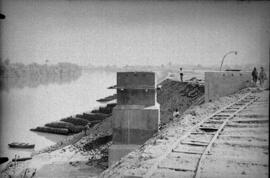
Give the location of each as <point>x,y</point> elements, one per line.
<point>177,95</point>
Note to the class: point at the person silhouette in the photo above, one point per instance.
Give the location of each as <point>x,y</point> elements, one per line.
<point>181,75</point>
<point>254,75</point>
<point>262,77</point>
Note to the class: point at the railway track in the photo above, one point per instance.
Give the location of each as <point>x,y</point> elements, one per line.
<point>193,147</point>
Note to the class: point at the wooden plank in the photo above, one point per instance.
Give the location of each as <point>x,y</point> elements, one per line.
<point>195,143</point>
<point>251,120</point>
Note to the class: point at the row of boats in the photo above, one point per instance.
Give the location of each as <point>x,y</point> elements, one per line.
<point>77,123</point>
<point>67,126</point>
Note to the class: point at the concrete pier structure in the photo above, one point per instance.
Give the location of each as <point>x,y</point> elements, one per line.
<point>218,84</point>
<point>137,114</point>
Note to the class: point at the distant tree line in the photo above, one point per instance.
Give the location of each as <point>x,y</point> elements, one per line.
<point>19,70</point>
<point>20,75</point>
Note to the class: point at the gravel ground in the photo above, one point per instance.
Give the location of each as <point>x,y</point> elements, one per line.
<point>140,161</point>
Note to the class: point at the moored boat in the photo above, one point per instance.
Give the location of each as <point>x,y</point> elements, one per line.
<point>45,129</point>
<point>21,159</point>
<point>21,145</point>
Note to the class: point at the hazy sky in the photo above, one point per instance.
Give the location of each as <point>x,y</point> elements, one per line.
<point>135,32</point>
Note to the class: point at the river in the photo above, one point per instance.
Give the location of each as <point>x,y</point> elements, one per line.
<point>25,107</point>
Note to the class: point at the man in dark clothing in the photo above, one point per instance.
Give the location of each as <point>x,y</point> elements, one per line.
<point>262,77</point>
<point>254,75</point>
<point>181,75</point>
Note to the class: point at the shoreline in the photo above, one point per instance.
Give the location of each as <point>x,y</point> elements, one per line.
<point>69,153</point>
<point>71,139</point>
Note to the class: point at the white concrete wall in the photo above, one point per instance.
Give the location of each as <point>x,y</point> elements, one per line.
<point>219,84</point>
<point>131,118</point>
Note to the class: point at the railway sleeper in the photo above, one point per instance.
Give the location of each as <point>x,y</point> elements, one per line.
<point>199,132</point>
<point>250,120</point>
<point>208,129</point>
<point>176,169</point>
<point>214,122</point>
<point>195,143</point>
<point>222,115</point>
<point>190,152</point>
<point>209,126</point>
<point>189,148</point>
<point>242,144</point>
<point>233,107</point>
<point>239,104</point>
<point>247,137</point>
<point>250,125</point>
<point>218,118</point>
<point>252,115</point>
<point>228,111</point>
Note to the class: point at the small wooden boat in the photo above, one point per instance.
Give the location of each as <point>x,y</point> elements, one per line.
<point>21,159</point>
<point>21,145</point>
<point>3,160</point>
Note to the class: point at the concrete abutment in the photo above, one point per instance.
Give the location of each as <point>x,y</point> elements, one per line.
<point>136,117</point>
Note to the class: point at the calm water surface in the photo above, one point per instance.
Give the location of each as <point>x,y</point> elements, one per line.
<point>25,108</point>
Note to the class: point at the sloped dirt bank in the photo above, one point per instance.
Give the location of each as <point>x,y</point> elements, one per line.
<point>177,95</point>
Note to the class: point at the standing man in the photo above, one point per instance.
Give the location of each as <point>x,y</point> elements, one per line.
<point>262,77</point>
<point>181,75</point>
<point>254,75</point>
<point>87,127</point>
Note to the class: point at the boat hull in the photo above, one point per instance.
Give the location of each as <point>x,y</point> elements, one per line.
<point>27,146</point>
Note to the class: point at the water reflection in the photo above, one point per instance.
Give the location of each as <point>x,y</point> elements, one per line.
<point>33,81</point>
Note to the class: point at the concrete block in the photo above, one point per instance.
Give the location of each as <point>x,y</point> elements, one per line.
<point>136,80</point>
<point>116,152</point>
<point>131,136</point>
<point>132,117</point>
<point>146,97</point>
<point>218,84</point>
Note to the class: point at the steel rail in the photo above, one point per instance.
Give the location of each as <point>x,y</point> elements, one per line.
<point>175,144</point>
<point>206,151</point>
